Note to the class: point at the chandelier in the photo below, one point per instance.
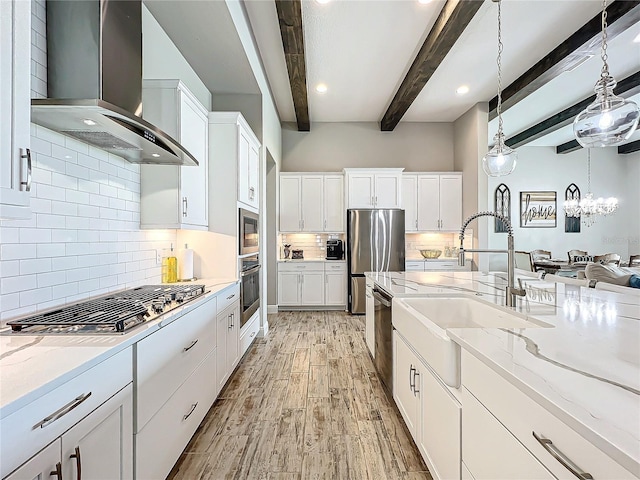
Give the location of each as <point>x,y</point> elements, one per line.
<point>501,159</point>
<point>609,120</point>
<point>590,208</point>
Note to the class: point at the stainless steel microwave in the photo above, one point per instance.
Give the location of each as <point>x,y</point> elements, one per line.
<point>249,234</point>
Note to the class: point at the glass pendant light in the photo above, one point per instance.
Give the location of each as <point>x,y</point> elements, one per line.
<point>500,160</point>
<point>609,120</point>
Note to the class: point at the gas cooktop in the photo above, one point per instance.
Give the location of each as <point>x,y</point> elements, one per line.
<point>110,314</point>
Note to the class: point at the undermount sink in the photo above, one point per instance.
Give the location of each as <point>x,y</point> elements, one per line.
<point>424,320</point>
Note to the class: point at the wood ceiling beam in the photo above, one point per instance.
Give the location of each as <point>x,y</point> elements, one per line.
<point>453,19</point>
<point>630,147</point>
<point>290,21</point>
<point>621,15</point>
<point>570,146</point>
<point>626,88</point>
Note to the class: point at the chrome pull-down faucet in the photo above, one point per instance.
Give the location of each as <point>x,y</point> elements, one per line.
<point>511,290</point>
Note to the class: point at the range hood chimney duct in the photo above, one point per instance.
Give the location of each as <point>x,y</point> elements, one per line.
<point>94,85</point>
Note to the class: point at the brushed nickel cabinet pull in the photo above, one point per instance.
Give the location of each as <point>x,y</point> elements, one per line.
<point>58,471</point>
<point>62,411</point>
<point>185,205</point>
<point>27,184</point>
<point>416,390</point>
<point>566,462</point>
<point>193,344</point>
<point>193,407</point>
<point>412,385</point>
<point>78,463</point>
<point>231,296</point>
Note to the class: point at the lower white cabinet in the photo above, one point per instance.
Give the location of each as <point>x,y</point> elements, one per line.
<point>369,327</point>
<point>431,413</point>
<point>249,332</point>
<point>312,284</point>
<point>46,464</point>
<point>228,329</point>
<point>436,266</point>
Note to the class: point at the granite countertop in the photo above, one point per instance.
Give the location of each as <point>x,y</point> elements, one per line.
<point>32,365</point>
<point>585,370</point>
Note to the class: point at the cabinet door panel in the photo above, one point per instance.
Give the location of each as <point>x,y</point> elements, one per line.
<point>428,202</point>
<point>361,191</point>
<point>243,166</point>
<point>223,325</point>
<point>387,191</point>
<point>450,202</point>
<point>404,363</point>
<point>335,289</point>
<point>193,180</point>
<point>288,288</point>
<point>233,339</point>
<point>410,202</point>
<point>290,211</point>
<point>334,211</point>
<point>312,288</point>
<point>312,202</point>
<point>104,441</point>
<point>254,175</point>
<point>40,466</point>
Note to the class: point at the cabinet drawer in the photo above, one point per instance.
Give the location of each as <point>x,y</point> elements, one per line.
<point>522,416</point>
<point>301,267</point>
<point>173,425</point>
<point>29,429</point>
<point>452,265</point>
<point>490,451</point>
<point>249,333</point>
<point>335,267</point>
<point>167,357</point>
<point>417,266</point>
<point>227,296</point>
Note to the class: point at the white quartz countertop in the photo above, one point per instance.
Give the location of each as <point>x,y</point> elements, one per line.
<point>302,260</point>
<point>32,365</point>
<point>585,370</point>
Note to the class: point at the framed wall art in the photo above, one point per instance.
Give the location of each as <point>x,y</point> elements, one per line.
<point>538,210</point>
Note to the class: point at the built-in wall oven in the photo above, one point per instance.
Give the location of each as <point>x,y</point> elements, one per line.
<point>249,235</point>
<point>249,287</point>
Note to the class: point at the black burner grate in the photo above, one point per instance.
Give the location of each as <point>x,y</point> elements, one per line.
<point>111,310</point>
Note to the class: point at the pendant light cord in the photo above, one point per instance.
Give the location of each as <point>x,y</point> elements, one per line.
<point>603,49</point>
<point>588,170</point>
<point>499,62</point>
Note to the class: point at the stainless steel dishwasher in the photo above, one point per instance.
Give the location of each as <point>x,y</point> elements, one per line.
<point>383,337</point>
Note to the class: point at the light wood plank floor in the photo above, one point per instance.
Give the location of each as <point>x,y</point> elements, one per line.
<point>304,403</point>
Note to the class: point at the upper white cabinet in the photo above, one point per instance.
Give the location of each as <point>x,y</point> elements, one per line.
<point>172,196</point>
<point>15,105</point>
<point>311,203</point>
<point>432,201</point>
<point>373,187</point>
<point>233,170</point>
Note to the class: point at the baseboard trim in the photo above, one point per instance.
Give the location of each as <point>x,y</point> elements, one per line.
<point>272,309</point>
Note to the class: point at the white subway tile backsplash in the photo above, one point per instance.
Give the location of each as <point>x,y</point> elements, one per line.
<point>108,213</point>
<point>33,297</point>
<point>40,205</point>
<point>64,208</point>
<point>40,265</point>
<point>109,281</point>
<point>98,200</point>
<point>49,135</point>
<point>98,154</point>
<point>107,236</point>
<point>40,146</point>
<point>76,145</point>
<point>41,72</point>
<point>17,252</point>
<point>50,192</point>
<point>88,236</point>
<point>10,235</point>
<point>88,186</point>
<point>78,274</point>
<point>64,181</point>
<point>108,168</point>
<point>65,290</point>
<point>90,285</point>
<point>35,235</point>
<point>64,235</point>
<point>44,220</point>
<point>77,197</point>
<point>17,313</point>
<point>76,223</point>
<point>77,171</point>
<point>18,284</point>
<point>63,153</point>
<point>78,248</point>
<point>52,278</point>
<point>117,203</point>
<point>9,268</point>
<point>88,211</point>
<point>108,191</point>
<point>64,263</point>
<point>100,271</point>
<point>10,301</point>
<point>41,176</point>
<point>51,249</point>
<point>89,161</point>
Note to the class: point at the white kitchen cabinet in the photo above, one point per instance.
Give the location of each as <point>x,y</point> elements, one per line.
<point>249,332</point>
<point>15,104</point>
<point>173,196</point>
<point>407,386</point>
<point>45,464</point>
<point>439,199</point>
<point>435,266</point>
<point>312,288</point>
<point>414,266</point>
<point>311,203</point>
<point>248,167</point>
<point>335,283</point>
<point>227,328</point>
<point>373,188</point>
<point>288,288</point>
<point>301,284</point>
<point>231,142</point>
<point>369,327</point>
<point>410,201</point>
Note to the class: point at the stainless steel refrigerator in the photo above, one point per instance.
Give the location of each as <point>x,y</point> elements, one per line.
<point>375,243</point>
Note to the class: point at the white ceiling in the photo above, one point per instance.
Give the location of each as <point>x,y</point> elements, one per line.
<point>362,50</point>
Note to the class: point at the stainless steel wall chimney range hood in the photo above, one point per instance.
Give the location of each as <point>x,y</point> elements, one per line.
<point>94,56</point>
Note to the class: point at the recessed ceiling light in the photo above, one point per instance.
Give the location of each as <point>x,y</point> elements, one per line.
<point>321,88</point>
<point>424,2</point>
<point>637,39</point>
<point>155,155</point>
<point>86,121</point>
<point>462,89</point>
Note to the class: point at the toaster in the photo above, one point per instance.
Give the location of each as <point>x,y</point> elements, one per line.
<point>335,250</point>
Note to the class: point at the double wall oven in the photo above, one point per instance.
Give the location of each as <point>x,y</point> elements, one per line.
<point>249,238</point>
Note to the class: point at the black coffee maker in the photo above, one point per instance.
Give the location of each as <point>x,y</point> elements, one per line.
<point>335,250</point>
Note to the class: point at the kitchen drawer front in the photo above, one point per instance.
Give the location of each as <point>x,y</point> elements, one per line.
<point>227,296</point>
<point>162,440</point>
<point>452,265</point>
<point>335,267</point>
<point>95,386</point>
<point>417,266</point>
<point>249,333</point>
<point>490,451</point>
<point>522,416</point>
<point>167,357</point>
<point>301,267</point>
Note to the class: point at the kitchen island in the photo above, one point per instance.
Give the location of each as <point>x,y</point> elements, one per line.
<point>584,370</point>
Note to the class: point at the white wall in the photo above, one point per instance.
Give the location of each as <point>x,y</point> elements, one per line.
<point>330,147</point>
<point>540,168</point>
<point>633,192</point>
